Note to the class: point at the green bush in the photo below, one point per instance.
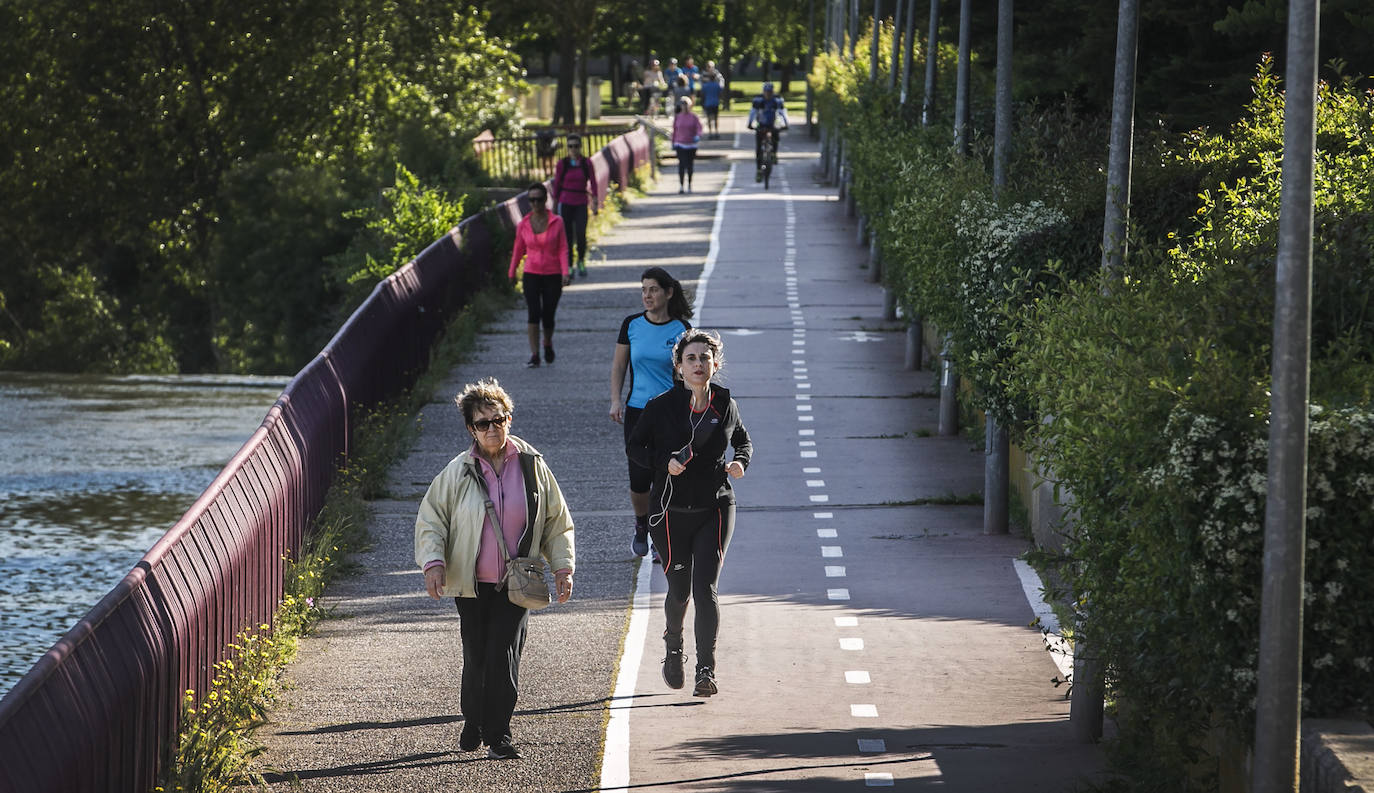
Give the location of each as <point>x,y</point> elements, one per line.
<point>1144,390</point>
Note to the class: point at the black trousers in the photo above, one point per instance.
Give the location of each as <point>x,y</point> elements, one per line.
<point>493,631</point>
<point>575,226</point>
<point>686,162</point>
<point>541,298</point>
<point>692,546</point>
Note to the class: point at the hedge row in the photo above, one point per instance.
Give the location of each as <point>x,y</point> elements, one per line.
<point>1144,390</point>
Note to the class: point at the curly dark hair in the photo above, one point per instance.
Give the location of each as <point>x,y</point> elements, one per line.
<point>694,336</point>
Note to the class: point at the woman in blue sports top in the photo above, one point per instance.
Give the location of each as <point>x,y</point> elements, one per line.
<point>683,437</point>
<point>645,350</point>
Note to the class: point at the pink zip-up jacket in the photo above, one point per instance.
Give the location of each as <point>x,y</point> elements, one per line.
<point>686,130</point>
<point>548,252</point>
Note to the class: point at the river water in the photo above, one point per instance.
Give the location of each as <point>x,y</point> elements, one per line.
<point>93,470</point>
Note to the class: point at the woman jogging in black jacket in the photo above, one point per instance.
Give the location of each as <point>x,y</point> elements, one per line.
<point>682,437</point>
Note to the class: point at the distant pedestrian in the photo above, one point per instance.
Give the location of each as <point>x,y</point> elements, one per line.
<point>712,86</point>
<point>540,234</point>
<point>574,193</point>
<point>682,437</point>
<point>672,72</point>
<point>644,352</point>
<point>655,84</point>
<point>498,490</point>
<point>682,89</point>
<point>686,137</point>
<point>693,73</point>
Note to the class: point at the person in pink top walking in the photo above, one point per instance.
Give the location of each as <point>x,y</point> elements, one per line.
<point>541,242</point>
<point>686,136</point>
<point>574,193</point>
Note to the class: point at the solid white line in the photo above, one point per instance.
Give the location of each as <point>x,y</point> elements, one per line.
<point>714,251</point>
<point>615,764</point>
<point>1054,639</point>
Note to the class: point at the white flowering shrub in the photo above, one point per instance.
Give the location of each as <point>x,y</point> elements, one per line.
<point>1215,478</point>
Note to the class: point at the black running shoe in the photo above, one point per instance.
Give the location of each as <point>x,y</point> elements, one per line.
<point>548,353</point>
<point>471,738</point>
<point>672,668</point>
<point>706,683</point>
<point>640,544</point>
<point>505,750</point>
<point>533,362</point>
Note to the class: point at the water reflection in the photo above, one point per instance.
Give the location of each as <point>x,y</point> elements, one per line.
<point>93,470</point>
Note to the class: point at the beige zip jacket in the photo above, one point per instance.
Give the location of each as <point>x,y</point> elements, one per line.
<point>448,527</point>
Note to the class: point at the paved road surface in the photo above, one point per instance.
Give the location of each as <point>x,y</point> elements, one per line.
<point>868,639</point>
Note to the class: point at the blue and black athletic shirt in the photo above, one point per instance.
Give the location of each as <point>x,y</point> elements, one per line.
<point>651,355</point>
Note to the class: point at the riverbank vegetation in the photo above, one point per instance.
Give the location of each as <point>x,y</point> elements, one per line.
<point>185,185</point>
<point>1143,391</point>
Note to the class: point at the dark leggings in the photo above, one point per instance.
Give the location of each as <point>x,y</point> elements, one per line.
<point>575,224</point>
<point>541,297</point>
<point>641,478</point>
<point>696,543</point>
<point>760,133</point>
<point>493,633</point>
<point>686,163</point>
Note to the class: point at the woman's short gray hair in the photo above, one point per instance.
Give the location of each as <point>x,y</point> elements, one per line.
<point>486,392</point>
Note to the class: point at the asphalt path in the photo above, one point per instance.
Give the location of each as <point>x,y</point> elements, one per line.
<point>869,636</point>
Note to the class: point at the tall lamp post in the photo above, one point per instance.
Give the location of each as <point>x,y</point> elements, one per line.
<point>1278,704</point>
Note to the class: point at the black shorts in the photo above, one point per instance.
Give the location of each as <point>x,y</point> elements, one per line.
<point>641,478</point>
<point>712,111</point>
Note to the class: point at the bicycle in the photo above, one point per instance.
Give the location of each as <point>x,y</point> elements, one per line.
<point>768,155</point>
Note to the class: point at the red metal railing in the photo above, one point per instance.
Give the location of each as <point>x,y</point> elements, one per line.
<point>97,710</point>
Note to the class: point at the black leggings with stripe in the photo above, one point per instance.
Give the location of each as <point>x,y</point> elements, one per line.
<point>695,544</point>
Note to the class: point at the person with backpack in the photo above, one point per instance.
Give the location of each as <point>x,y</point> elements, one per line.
<point>574,191</point>
<point>767,117</point>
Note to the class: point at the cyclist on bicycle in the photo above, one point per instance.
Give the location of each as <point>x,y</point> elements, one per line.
<point>768,117</point>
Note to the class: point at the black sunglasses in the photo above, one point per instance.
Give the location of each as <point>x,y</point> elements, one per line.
<point>482,425</point>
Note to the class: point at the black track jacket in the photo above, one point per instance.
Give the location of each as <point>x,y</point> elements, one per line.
<point>665,426</point>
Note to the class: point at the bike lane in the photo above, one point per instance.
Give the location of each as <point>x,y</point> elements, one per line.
<point>869,637</point>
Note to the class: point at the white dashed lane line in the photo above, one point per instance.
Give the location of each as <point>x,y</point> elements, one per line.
<point>807,449</point>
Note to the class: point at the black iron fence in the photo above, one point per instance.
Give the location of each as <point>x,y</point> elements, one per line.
<point>531,158</point>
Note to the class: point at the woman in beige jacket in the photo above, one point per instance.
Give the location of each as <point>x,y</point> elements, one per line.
<point>455,545</point>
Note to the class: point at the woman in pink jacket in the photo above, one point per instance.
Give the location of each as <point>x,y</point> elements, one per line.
<point>540,241</point>
<point>686,135</point>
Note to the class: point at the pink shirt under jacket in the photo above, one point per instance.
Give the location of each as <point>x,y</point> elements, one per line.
<point>548,252</point>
